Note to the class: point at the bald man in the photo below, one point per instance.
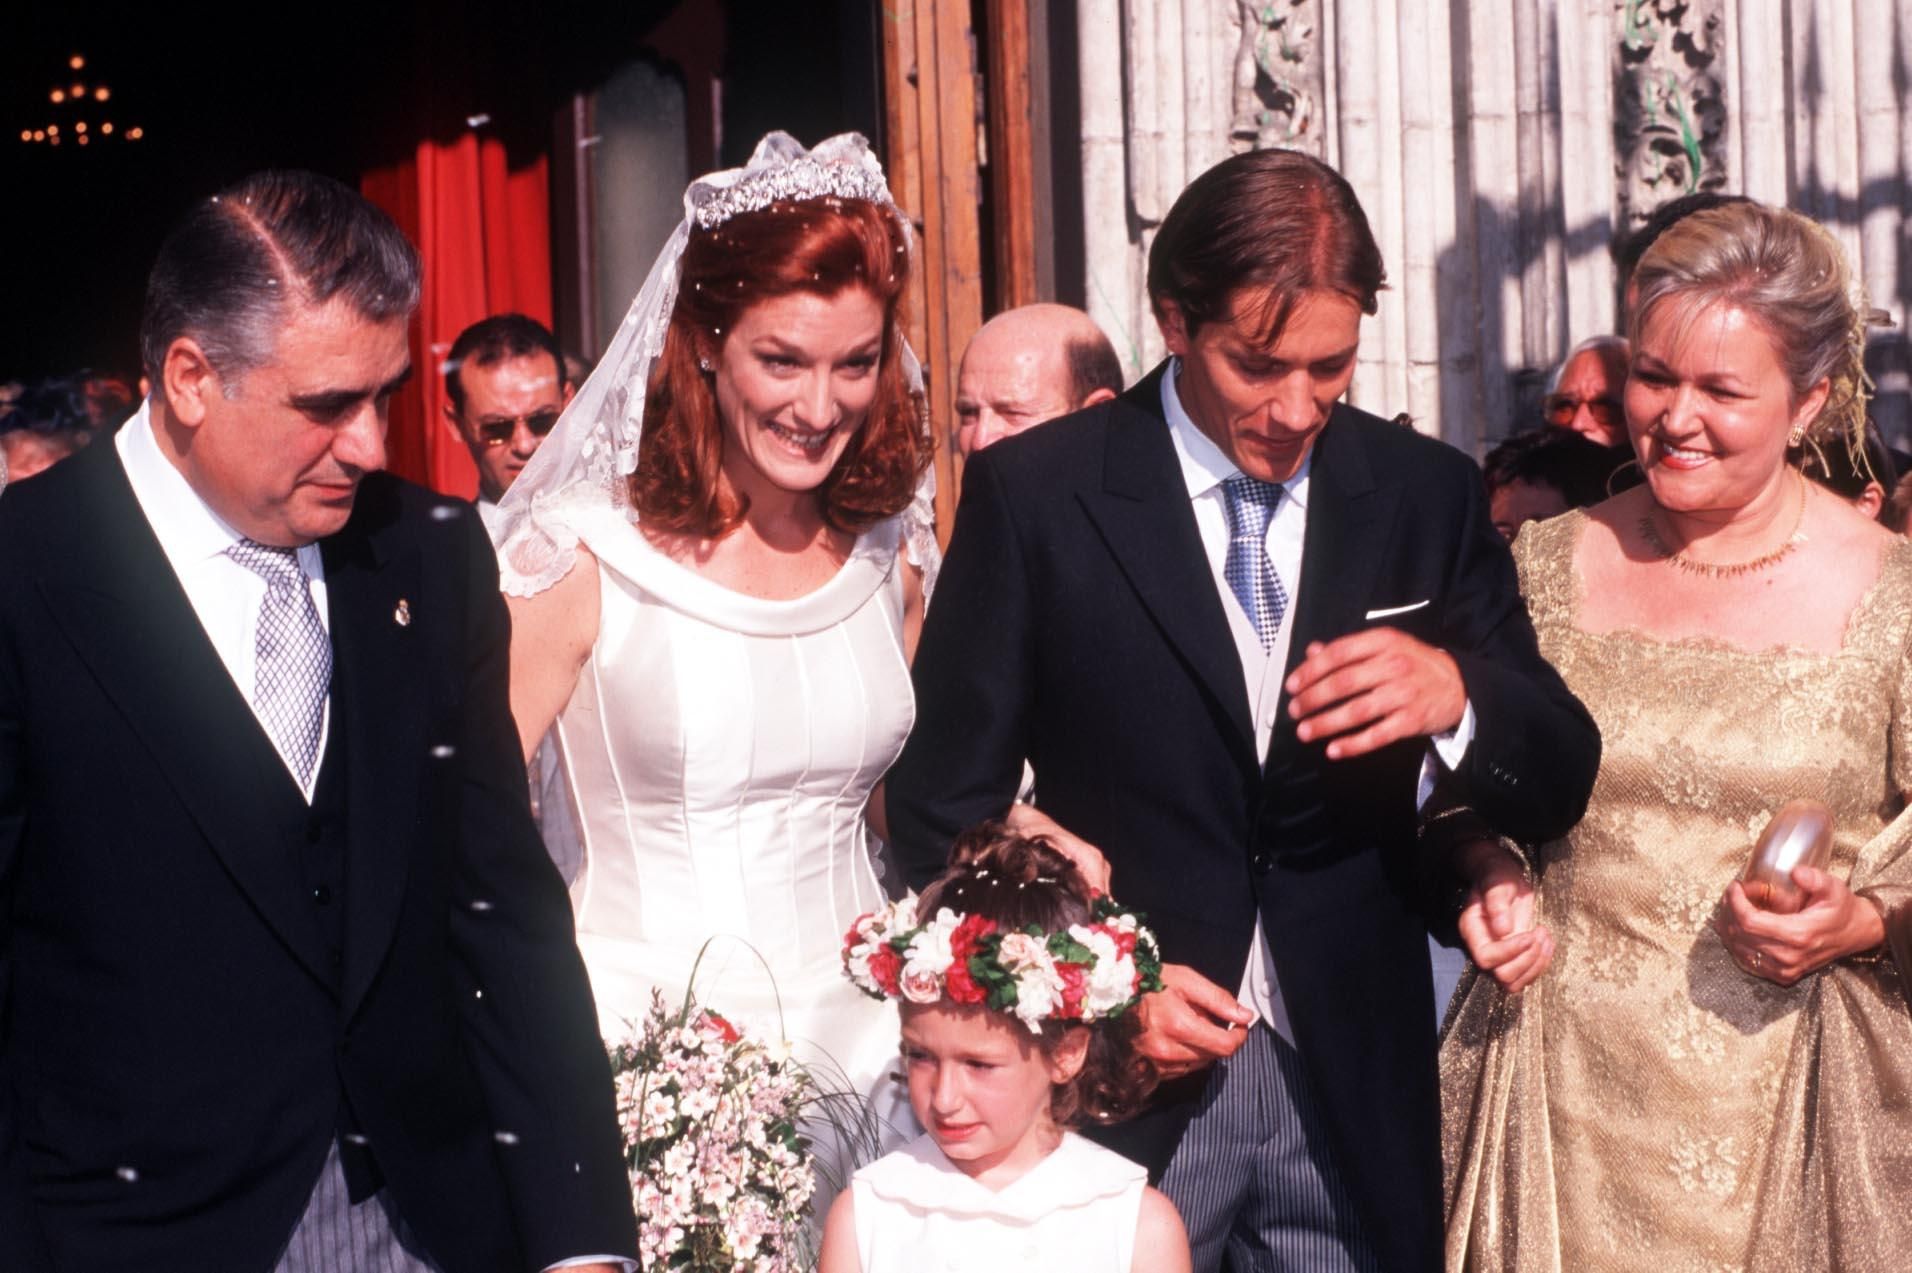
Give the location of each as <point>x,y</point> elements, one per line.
<point>1028,365</point>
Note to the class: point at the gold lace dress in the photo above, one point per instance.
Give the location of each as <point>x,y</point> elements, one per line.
<point>1646,1105</point>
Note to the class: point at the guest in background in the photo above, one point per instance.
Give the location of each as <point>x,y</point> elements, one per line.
<point>1584,392</point>
<point>109,400</point>
<point>505,382</point>
<point>1028,365</point>
<point>1861,475</point>
<point>50,421</point>
<point>1543,473</point>
<point>1696,1082</point>
<point>576,371</point>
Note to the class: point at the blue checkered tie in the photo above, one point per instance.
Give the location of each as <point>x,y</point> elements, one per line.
<point>1251,576</point>
<point>294,656</point>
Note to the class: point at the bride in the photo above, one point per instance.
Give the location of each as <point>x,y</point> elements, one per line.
<point>715,572</point>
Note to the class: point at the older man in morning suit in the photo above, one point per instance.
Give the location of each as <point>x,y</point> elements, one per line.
<point>287,980</point>
<point>1240,630</point>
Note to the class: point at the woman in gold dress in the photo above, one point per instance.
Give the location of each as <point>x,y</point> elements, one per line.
<point>1694,1083</point>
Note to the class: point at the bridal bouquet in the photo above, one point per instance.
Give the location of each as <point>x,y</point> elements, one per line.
<point>719,1174</point>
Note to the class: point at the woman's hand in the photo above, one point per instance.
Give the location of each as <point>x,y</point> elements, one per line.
<point>1833,923</point>
<point>1497,918</point>
<point>1026,819</point>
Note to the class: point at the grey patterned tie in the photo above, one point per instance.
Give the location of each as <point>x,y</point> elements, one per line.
<point>294,656</point>
<point>1251,576</point>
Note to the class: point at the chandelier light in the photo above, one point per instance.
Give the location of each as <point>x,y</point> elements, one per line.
<point>74,97</point>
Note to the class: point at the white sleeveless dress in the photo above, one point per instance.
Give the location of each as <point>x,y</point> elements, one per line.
<point>1077,1210</point>
<point>719,751</point>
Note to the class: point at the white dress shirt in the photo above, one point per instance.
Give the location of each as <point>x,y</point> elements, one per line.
<point>1204,468</point>
<point>225,595</point>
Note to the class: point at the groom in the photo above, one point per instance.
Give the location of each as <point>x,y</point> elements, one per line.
<point>286,979</point>
<point>1240,629</point>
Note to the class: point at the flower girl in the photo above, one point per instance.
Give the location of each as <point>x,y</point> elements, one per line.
<point>1016,991</point>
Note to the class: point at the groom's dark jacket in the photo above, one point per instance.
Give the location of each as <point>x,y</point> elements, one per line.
<point>1077,624</point>
<point>204,980</point>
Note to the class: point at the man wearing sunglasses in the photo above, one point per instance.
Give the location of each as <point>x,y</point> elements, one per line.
<point>505,384</point>
<point>1585,392</point>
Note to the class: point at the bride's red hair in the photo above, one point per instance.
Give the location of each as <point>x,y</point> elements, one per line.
<point>811,245</point>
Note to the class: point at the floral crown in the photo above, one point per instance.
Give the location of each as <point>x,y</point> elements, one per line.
<point>1086,972</point>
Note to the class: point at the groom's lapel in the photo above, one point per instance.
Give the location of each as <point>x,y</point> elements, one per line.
<point>1350,522</point>
<point>120,604</point>
<point>1144,515</point>
<point>379,610</point>
<point>1351,518</point>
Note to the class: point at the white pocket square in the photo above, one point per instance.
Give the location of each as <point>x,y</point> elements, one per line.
<point>1391,611</point>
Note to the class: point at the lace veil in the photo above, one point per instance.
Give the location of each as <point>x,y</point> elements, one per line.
<point>587,460</point>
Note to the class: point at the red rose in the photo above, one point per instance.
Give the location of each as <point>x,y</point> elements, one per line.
<point>1124,939</point>
<point>1072,990</point>
<point>725,1031</point>
<point>959,986</point>
<point>973,929</point>
<point>885,966</point>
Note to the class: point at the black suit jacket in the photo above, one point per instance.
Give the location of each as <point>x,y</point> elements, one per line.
<point>1077,623</point>
<point>184,1021</point>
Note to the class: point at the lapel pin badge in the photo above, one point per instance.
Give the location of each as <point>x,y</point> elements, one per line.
<point>403,615</point>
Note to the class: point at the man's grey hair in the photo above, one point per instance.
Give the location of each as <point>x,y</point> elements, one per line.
<point>230,273</point>
<point>1092,364</point>
<point>1592,344</point>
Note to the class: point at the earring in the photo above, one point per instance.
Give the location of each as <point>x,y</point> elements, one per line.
<point>1614,477</point>
<point>1796,438</point>
<point>703,365</point>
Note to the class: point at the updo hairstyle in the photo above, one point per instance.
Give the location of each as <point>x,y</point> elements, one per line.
<point>821,246</point>
<point>1790,276</point>
<point>1021,880</point>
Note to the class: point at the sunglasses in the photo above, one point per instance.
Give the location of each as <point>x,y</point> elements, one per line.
<point>498,432</point>
<point>1560,409</point>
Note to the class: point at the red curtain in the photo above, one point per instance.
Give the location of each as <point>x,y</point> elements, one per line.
<point>484,231</point>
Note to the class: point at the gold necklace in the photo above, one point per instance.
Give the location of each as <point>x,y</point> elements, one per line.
<point>1677,556</point>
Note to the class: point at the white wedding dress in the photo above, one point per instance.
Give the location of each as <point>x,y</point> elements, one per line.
<point>719,751</point>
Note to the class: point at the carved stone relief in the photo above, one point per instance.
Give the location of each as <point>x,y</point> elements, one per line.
<point>1279,84</point>
<point>1669,116</point>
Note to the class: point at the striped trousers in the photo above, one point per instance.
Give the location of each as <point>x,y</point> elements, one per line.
<point>334,1236</point>
<point>1253,1176</point>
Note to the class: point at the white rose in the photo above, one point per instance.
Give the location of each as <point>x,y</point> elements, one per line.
<point>1038,993</point>
<point>1110,978</point>
<point>927,958</point>
<point>1038,987</point>
<point>903,914</point>
<point>931,946</point>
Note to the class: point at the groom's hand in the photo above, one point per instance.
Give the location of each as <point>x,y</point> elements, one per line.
<point>1373,688</point>
<point>1190,1023</point>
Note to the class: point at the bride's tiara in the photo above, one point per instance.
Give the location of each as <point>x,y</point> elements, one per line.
<point>842,167</point>
<point>1086,972</point>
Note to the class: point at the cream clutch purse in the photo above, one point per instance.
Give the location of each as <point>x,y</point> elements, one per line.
<point>1800,834</point>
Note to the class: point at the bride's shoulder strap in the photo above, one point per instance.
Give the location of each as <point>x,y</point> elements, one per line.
<point>541,547</point>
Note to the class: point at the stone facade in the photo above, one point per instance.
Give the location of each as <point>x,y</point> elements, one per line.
<point>1499,148</point>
